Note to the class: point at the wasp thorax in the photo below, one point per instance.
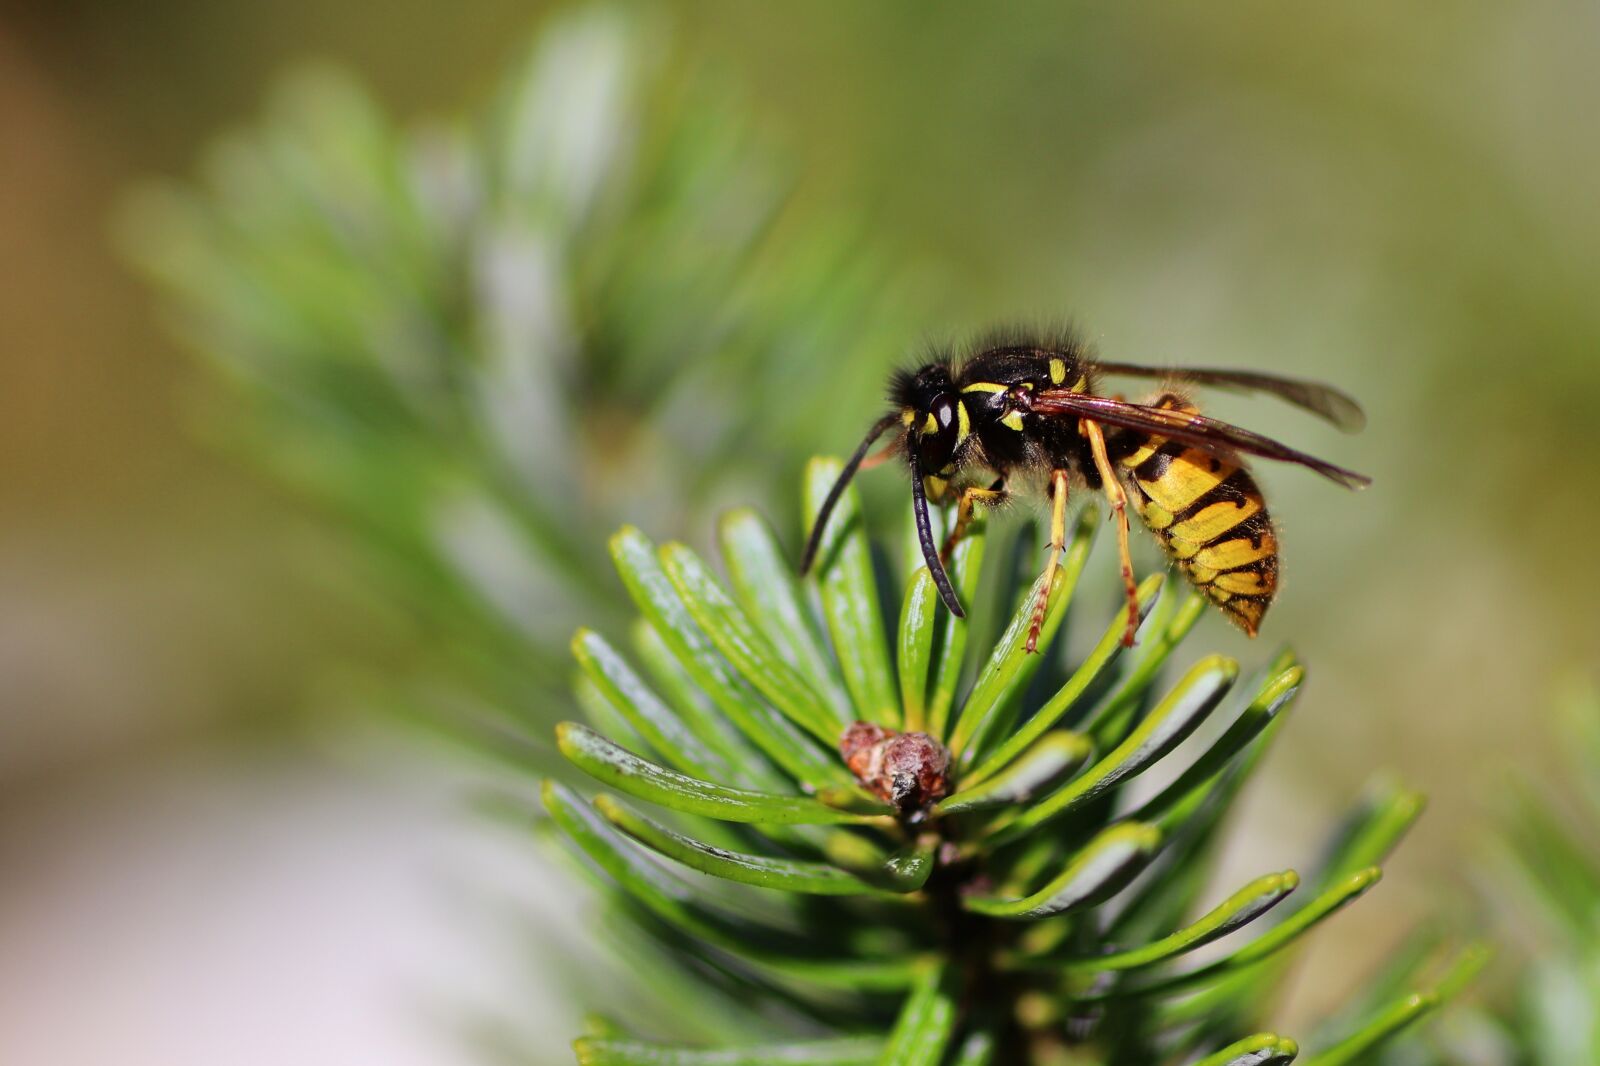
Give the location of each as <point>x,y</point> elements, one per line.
<point>908,770</point>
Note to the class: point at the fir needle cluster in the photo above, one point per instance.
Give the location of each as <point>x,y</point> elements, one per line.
<point>1048,903</point>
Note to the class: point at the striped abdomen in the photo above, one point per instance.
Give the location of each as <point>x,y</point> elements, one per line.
<point>1209,516</point>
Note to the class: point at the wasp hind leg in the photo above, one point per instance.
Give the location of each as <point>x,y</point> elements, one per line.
<point>1058,544</point>
<point>1118,498</point>
<point>993,496</point>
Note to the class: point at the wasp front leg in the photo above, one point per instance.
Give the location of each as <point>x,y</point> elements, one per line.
<point>1058,544</point>
<point>993,496</point>
<point>889,451</point>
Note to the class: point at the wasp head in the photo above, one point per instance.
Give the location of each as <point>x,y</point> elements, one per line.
<point>931,412</point>
<point>935,424</point>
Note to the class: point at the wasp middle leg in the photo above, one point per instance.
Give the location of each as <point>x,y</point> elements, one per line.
<point>1058,544</point>
<point>1118,498</point>
<point>993,496</point>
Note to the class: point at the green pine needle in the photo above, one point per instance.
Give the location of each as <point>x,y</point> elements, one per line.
<point>981,922</point>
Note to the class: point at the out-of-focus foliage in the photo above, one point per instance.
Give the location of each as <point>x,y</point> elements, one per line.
<point>1552,845</point>
<point>1541,892</point>
<point>1043,912</point>
<point>485,341</point>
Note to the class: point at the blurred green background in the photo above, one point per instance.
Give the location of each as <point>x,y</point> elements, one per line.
<point>1397,201</point>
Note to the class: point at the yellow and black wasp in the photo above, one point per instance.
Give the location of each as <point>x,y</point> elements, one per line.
<point>1028,414</point>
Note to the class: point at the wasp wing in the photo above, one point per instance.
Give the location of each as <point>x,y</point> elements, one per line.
<point>1202,432</point>
<point>1325,401</point>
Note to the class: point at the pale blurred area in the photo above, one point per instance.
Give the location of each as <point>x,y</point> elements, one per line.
<point>209,858</point>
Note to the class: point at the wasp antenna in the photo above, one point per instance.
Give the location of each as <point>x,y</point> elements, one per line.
<point>930,551</point>
<point>814,541</point>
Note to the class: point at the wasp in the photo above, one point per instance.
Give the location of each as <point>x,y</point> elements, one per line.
<point>1028,415</point>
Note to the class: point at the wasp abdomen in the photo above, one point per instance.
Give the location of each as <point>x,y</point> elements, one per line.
<point>1209,516</point>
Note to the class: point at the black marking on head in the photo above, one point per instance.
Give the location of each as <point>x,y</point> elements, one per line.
<point>919,388</point>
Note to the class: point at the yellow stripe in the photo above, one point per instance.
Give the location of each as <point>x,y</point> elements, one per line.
<point>1058,370</point>
<point>1146,450</point>
<point>931,425</point>
<point>1215,520</point>
<point>1185,480</point>
<point>1232,554</point>
<point>1156,516</point>
<point>1014,420</point>
<point>984,386</point>
<point>1181,549</point>
<point>963,422</point>
<point>908,416</point>
<point>1246,582</point>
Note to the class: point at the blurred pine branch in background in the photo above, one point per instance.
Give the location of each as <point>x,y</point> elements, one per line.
<point>485,342</point>
<point>1551,847</point>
